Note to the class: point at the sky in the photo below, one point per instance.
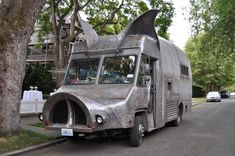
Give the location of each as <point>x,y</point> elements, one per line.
<point>180,29</point>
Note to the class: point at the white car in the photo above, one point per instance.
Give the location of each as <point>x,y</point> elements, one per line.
<point>232,94</point>
<point>213,96</point>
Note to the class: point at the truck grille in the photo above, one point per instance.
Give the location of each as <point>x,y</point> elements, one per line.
<point>79,115</point>
<point>60,113</point>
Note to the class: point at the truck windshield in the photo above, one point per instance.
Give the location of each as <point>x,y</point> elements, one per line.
<point>118,70</point>
<point>82,72</point>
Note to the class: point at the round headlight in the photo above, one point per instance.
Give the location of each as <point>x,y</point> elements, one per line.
<point>99,119</point>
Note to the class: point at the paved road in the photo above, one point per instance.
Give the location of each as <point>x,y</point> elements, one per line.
<point>208,131</point>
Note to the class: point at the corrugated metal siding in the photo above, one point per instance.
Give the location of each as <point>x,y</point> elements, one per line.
<point>171,108</point>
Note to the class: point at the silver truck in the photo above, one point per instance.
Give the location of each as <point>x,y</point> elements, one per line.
<point>134,82</point>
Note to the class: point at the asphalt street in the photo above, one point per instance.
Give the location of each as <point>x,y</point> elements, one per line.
<point>209,130</point>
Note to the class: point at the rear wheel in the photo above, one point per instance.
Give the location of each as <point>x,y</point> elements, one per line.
<point>178,120</point>
<point>136,134</point>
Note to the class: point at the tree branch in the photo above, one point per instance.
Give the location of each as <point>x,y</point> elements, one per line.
<point>68,10</point>
<point>57,2</point>
<point>54,23</point>
<point>72,24</point>
<point>82,7</point>
<point>111,17</point>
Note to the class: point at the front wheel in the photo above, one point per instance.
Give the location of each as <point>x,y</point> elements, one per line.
<point>40,117</point>
<point>136,134</point>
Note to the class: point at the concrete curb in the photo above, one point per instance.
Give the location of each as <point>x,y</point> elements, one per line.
<point>27,149</point>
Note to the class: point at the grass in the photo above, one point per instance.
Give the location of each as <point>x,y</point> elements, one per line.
<point>39,124</point>
<point>25,139</point>
<point>198,100</point>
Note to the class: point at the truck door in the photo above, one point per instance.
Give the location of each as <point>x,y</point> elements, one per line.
<point>153,95</point>
<point>149,79</point>
<point>156,93</point>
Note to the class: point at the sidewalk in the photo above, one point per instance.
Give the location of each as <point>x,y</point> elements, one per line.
<point>33,119</point>
<point>196,103</point>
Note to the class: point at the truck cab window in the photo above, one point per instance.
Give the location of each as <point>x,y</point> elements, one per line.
<point>82,72</point>
<point>144,76</point>
<point>184,70</point>
<point>118,70</point>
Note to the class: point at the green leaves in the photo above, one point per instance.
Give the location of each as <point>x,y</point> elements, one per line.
<point>165,15</point>
<point>211,49</point>
<point>38,75</point>
<point>211,65</point>
<point>109,16</point>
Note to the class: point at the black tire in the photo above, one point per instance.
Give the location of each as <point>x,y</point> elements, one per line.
<point>178,120</point>
<point>74,137</point>
<point>40,116</point>
<point>136,133</point>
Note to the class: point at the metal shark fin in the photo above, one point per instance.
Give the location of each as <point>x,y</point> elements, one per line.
<point>142,25</point>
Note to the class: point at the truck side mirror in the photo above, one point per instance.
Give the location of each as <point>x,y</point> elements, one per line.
<point>145,80</point>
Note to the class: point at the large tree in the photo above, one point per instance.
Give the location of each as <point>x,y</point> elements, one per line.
<point>212,67</point>
<point>17,18</point>
<point>106,16</point>
<point>211,47</point>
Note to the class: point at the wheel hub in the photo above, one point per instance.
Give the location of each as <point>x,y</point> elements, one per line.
<point>141,128</point>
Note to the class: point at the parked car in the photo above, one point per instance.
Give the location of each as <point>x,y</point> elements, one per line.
<point>213,96</point>
<point>232,94</point>
<point>224,94</point>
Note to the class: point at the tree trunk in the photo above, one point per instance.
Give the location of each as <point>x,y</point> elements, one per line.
<point>60,64</point>
<point>17,18</point>
<point>60,60</point>
<point>58,49</point>
<point>60,43</point>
